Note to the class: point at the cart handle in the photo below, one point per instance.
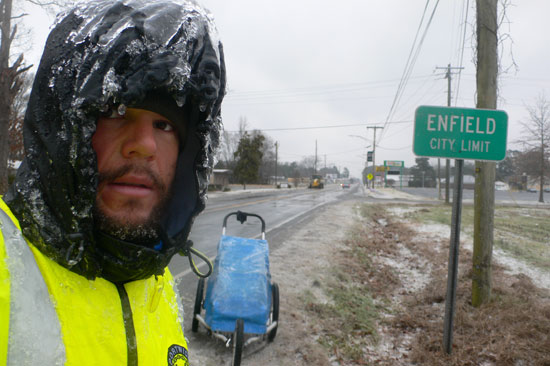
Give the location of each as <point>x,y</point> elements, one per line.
<point>241,217</point>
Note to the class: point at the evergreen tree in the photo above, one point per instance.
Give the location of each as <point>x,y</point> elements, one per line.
<point>423,174</point>
<point>248,158</point>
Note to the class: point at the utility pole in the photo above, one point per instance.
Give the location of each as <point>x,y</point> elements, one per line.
<point>448,76</point>
<point>484,195</point>
<point>374,152</point>
<point>439,178</point>
<point>276,162</point>
<point>315,164</point>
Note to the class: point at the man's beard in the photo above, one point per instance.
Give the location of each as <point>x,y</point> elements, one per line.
<point>144,233</point>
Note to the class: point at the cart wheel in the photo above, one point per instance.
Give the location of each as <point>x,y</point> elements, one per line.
<point>275,311</point>
<point>198,304</point>
<point>238,342</point>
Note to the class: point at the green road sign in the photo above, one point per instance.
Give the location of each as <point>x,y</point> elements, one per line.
<point>394,163</point>
<point>460,133</point>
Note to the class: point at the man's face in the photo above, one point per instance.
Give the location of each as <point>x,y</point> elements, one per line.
<point>136,160</point>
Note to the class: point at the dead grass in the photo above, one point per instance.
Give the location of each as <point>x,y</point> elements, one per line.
<point>513,329</point>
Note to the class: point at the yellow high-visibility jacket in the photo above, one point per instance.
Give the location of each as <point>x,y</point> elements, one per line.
<point>52,316</point>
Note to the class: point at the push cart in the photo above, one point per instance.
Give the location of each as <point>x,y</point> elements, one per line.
<point>241,304</point>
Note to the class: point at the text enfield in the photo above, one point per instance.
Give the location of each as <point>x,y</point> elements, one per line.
<point>460,133</point>
<point>461,123</point>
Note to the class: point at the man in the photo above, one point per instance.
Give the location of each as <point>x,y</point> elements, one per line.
<point>119,135</point>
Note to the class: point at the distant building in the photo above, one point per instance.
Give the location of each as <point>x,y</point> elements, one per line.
<point>501,186</point>
<point>331,178</point>
<point>219,179</point>
<point>468,182</point>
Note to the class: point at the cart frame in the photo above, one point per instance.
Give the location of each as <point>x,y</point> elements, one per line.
<point>237,338</point>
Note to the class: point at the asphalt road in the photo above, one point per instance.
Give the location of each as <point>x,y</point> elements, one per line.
<point>282,210</point>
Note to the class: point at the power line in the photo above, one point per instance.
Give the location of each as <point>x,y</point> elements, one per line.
<point>235,94</point>
<point>317,127</point>
<point>395,149</point>
<point>462,51</point>
<point>304,99</point>
<point>425,96</point>
<point>413,56</point>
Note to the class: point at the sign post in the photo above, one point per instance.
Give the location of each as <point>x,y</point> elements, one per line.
<point>452,269</point>
<point>459,133</point>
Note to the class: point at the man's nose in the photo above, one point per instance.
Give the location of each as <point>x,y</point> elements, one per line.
<point>140,139</point>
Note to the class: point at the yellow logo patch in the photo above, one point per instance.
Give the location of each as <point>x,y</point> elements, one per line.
<point>177,356</point>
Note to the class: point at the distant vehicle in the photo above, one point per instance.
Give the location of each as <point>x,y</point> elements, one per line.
<point>283,185</point>
<point>501,186</point>
<point>345,185</point>
<point>532,190</point>
<point>316,182</point>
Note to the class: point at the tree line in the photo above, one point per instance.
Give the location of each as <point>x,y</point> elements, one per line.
<point>252,157</point>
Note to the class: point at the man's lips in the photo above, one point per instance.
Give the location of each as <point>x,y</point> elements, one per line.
<point>132,186</point>
<point>134,180</point>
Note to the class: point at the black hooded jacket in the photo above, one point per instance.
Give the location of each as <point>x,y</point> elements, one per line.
<point>99,56</point>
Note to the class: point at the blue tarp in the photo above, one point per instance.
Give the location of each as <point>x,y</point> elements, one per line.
<point>240,286</point>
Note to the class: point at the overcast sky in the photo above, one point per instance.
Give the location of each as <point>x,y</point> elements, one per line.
<point>323,70</point>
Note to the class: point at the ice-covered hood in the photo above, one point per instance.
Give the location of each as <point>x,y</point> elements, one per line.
<point>100,55</point>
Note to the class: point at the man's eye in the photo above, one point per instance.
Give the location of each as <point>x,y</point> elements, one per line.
<point>164,125</point>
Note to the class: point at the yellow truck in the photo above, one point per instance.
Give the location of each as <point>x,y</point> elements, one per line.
<point>316,182</point>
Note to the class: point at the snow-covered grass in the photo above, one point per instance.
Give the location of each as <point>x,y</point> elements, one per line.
<point>522,236</point>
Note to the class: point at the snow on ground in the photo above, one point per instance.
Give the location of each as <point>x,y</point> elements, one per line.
<point>413,271</point>
<point>512,265</point>
<point>391,193</point>
<point>540,277</point>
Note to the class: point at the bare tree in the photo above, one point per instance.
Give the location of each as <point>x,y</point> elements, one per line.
<point>243,126</point>
<point>536,135</point>
<point>267,168</point>
<point>12,75</point>
<point>11,82</point>
<point>228,144</point>
<point>16,149</point>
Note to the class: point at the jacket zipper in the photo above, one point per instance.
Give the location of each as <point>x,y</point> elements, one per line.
<point>131,344</point>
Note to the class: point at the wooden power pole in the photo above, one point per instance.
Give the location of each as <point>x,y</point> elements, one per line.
<point>276,162</point>
<point>484,196</point>
<point>315,164</point>
<point>448,76</point>
<point>374,153</point>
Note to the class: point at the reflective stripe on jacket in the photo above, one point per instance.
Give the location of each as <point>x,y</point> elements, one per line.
<point>52,316</point>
